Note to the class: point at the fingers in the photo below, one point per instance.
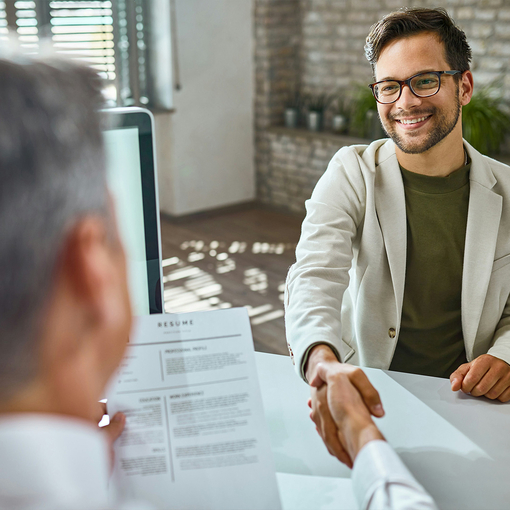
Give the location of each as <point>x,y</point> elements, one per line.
<point>457,377</point>
<point>327,373</point>
<point>114,430</point>
<point>497,389</point>
<point>485,376</point>
<point>484,373</point>
<point>326,427</point>
<point>368,393</point>
<point>487,383</point>
<point>476,372</point>
<point>342,401</point>
<point>505,396</point>
<point>493,384</point>
<point>351,415</point>
<point>331,440</point>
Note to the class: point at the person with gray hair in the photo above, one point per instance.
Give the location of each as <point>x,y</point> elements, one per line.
<point>65,313</point>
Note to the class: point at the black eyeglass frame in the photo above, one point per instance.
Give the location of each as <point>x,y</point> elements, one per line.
<point>408,83</point>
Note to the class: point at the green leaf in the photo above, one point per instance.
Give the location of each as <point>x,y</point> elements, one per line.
<point>485,121</point>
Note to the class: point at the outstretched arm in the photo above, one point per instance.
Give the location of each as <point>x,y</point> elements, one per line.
<point>380,479</point>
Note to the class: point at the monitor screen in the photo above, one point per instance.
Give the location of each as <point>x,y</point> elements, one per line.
<point>131,179</point>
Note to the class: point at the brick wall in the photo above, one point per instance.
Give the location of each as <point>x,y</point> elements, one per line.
<point>334,32</point>
<point>318,45</point>
<point>297,159</point>
<point>277,32</point>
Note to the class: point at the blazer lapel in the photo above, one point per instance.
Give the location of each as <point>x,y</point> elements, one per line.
<point>484,215</point>
<point>391,211</point>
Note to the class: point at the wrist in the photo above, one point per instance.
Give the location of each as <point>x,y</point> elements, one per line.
<point>361,435</point>
<point>319,353</point>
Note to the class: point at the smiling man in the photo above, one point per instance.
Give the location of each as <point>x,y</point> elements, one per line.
<point>404,257</point>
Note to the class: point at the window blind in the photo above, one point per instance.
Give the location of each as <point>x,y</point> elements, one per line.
<point>26,25</point>
<point>83,30</point>
<point>110,36</point>
<point>3,22</point>
<point>117,37</point>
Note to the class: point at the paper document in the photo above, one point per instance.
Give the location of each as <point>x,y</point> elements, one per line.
<point>195,434</point>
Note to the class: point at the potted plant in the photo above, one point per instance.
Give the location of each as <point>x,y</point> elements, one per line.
<point>485,121</point>
<point>364,120</point>
<point>341,114</point>
<point>316,106</point>
<point>292,108</point>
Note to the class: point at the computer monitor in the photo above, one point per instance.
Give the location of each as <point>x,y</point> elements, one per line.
<point>132,179</point>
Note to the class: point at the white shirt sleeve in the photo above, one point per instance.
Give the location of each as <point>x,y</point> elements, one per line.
<point>382,482</point>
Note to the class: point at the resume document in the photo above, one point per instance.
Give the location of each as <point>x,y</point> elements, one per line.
<point>195,434</point>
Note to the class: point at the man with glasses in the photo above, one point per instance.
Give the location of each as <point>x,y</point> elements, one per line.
<point>404,257</point>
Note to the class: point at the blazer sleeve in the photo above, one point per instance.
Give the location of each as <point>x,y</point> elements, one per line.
<point>316,283</point>
<point>501,342</point>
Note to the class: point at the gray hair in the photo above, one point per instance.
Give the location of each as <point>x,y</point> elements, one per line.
<point>52,172</point>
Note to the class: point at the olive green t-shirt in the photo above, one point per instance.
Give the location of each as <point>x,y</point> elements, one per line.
<point>430,340</point>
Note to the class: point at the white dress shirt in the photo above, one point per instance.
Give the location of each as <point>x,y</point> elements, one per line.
<point>54,462</point>
<point>50,462</point>
<point>382,482</point>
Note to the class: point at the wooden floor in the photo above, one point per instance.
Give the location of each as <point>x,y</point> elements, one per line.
<point>232,259</point>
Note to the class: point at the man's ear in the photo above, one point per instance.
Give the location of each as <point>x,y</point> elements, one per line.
<point>88,267</point>
<point>88,318</point>
<point>466,88</point>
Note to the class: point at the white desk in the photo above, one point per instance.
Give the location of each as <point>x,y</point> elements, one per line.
<point>457,446</point>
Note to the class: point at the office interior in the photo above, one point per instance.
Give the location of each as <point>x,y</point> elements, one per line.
<point>218,76</point>
<point>233,179</point>
<point>234,173</point>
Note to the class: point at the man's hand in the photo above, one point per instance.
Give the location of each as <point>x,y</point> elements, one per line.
<point>351,417</point>
<point>325,425</point>
<point>114,429</point>
<point>323,369</point>
<point>486,375</point>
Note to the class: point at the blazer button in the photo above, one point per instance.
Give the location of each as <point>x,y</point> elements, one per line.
<point>392,333</point>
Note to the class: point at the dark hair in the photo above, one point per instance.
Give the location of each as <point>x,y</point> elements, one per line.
<point>410,21</point>
<point>52,172</point>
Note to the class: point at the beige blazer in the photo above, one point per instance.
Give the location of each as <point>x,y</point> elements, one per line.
<point>347,286</point>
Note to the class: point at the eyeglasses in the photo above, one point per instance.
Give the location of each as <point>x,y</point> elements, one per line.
<point>421,85</point>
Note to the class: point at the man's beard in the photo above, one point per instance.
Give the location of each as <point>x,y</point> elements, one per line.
<point>443,128</point>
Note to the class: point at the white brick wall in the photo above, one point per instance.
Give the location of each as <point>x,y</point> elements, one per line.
<point>318,44</point>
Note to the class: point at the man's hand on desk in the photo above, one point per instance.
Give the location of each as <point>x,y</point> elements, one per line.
<point>484,376</point>
<point>328,377</point>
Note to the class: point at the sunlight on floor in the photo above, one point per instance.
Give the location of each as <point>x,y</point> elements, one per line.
<point>189,287</point>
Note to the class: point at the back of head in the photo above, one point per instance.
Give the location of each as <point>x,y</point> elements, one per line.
<point>411,21</point>
<point>52,172</point>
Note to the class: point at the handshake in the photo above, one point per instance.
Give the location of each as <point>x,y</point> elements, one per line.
<point>343,400</point>
<point>342,404</point>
